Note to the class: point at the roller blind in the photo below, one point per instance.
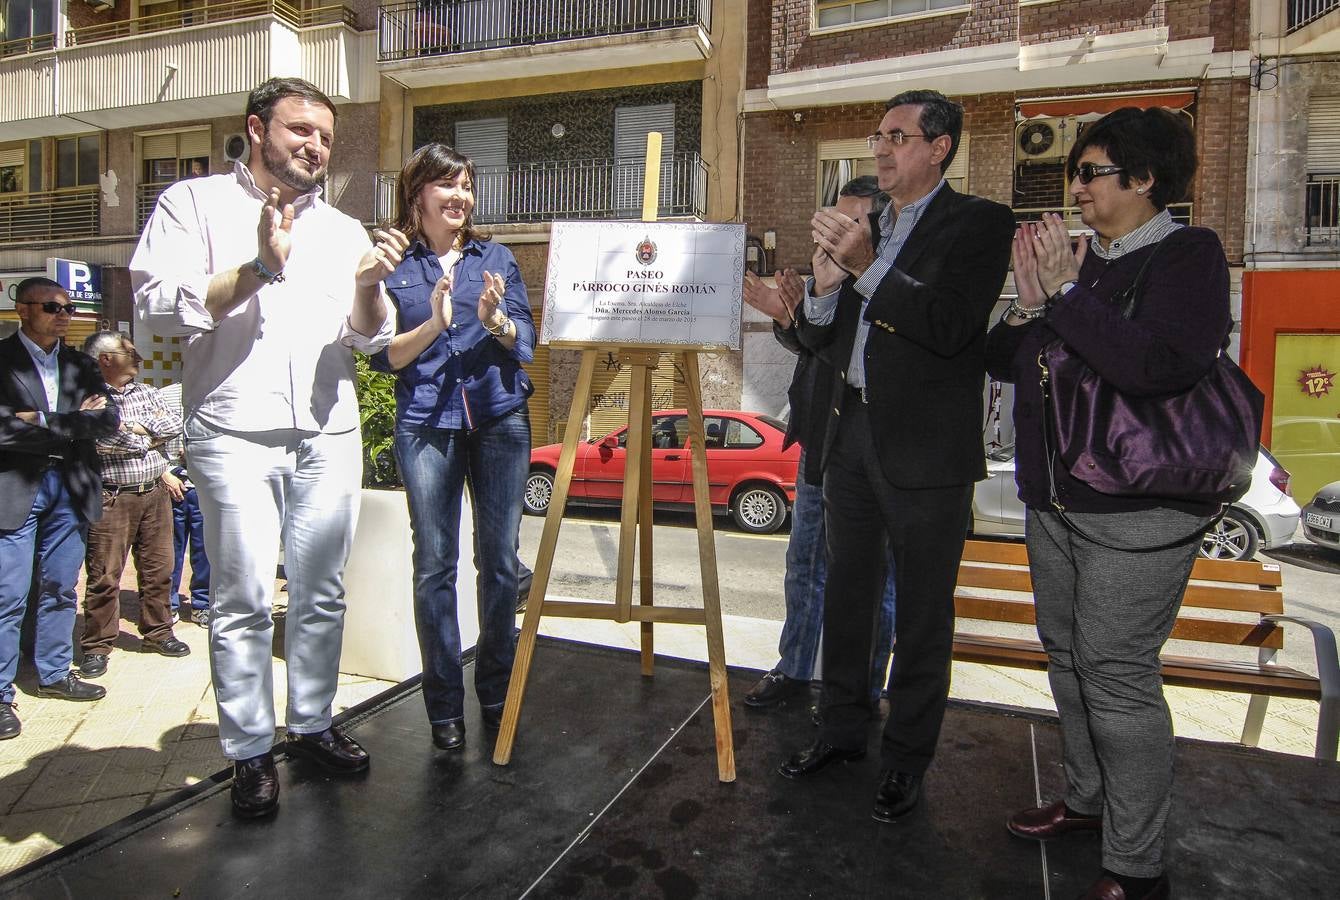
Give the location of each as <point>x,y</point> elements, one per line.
<point>1323,134</point>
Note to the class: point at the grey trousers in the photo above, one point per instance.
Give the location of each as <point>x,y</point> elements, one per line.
<point>1103,617</point>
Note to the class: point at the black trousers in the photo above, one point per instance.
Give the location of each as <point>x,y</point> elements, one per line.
<point>924,530</point>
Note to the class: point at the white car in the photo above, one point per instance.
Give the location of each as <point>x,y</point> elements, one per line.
<point>1266,517</point>
<point>1321,517</point>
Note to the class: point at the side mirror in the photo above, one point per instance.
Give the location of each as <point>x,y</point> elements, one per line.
<point>611,442</point>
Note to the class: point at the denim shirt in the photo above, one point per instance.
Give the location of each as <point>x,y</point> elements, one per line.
<point>465,378</point>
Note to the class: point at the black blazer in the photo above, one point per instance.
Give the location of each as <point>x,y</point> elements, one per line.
<point>924,355</point>
<point>25,449</point>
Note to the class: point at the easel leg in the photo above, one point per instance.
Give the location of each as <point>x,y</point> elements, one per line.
<point>707,555</point>
<point>644,514</point>
<point>544,563</point>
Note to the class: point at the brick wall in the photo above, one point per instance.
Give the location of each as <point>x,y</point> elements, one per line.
<point>758,43</point>
<point>783,161</point>
<point>1071,18</point>
<point>82,15</point>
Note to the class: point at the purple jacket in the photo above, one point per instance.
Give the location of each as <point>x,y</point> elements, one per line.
<point>1182,319</point>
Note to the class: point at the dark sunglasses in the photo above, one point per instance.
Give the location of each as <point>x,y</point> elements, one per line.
<point>51,307</point>
<point>1087,172</point>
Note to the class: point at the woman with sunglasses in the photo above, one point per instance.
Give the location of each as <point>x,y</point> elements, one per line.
<point>1105,603</point>
<point>463,329</point>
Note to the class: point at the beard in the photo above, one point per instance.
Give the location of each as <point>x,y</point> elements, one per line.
<point>282,166</point>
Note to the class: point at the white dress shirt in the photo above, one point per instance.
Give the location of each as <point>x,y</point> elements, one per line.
<point>281,360</point>
<point>48,369</point>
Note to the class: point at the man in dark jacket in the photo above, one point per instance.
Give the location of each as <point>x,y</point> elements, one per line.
<point>904,329</point>
<point>53,406</point>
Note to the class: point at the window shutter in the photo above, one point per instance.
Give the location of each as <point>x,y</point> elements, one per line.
<point>193,144</point>
<point>485,142</point>
<point>631,125</point>
<point>12,156</point>
<point>1323,134</point>
<point>159,146</point>
<point>855,148</point>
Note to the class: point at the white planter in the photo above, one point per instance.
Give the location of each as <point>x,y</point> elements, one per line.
<point>380,640</point>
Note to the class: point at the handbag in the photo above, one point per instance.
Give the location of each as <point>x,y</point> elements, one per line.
<point>1197,446</point>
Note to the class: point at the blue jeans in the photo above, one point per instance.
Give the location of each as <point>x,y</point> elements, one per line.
<point>806,569</point>
<point>436,465</point>
<point>188,526</point>
<point>50,541</point>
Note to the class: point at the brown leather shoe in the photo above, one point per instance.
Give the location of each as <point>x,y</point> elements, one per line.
<point>1106,888</point>
<point>255,786</point>
<point>332,750</point>
<point>1052,821</point>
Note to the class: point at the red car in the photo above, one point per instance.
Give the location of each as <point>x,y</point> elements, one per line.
<point>748,472</point>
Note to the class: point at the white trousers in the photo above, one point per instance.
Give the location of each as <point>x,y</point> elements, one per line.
<point>254,489</point>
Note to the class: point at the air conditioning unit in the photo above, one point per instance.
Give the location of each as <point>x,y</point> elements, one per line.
<point>1045,140</point>
<point>236,148</point>
<point>101,5</point>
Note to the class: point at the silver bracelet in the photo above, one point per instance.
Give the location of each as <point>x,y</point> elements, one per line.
<point>1026,314</point>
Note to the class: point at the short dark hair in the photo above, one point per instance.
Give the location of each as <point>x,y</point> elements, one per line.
<point>1154,142</point>
<point>432,162</point>
<point>866,186</point>
<point>32,285</point>
<point>939,116</point>
<point>261,102</point>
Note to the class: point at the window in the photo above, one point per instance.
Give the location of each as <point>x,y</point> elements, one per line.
<point>828,13</point>
<point>1323,171</point>
<point>166,157</point>
<point>28,18</point>
<point>11,169</point>
<point>485,142</point>
<point>730,434</point>
<point>78,160</point>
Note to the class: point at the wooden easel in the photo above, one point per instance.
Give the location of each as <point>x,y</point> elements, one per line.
<point>635,526</point>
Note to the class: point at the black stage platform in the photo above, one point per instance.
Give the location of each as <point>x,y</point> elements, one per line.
<point>612,792</point>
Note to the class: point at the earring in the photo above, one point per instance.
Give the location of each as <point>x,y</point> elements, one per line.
<point>1139,190</point>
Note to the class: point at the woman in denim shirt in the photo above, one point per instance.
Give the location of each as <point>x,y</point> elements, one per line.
<point>463,329</point>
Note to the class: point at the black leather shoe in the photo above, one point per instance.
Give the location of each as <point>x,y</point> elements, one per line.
<point>255,786</point>
<point>167,647</point>
<point>492,716</point>
<point>10,726</point>
<point>811,760</point>
<point>450,736</point>
<point>1108,888</point>
<point>772,689</point>
<point>1043,823</point>
<point>71,688</point>
<point>332,750</point>
<point>93,665</point>
<point>897,796</point>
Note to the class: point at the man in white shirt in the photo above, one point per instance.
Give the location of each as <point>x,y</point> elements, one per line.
<point>271,287</point>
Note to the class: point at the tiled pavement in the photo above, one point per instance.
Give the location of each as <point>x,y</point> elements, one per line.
<point>78,767</point>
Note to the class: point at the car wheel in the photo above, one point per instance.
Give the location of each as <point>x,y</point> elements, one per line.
<point>759,509</point>
<point>1232,537</point>
<point>539,490</point>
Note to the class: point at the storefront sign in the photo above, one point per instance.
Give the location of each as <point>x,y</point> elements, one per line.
<point>9,286</point>
<point>663,284</point>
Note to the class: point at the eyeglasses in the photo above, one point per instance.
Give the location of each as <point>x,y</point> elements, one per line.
<point>51,307</point>
<point>1087,172</point>
<point>134,353</point>
<point>896,138</point>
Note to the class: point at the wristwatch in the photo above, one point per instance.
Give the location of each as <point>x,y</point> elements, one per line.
<point>507,327</point>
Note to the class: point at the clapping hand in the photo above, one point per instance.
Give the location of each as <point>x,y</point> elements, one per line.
<point>440,302</point>
<point>778,303</point>
<point>1026,284</point>
<point>274,233</point>
<point>382,258</point>
<point>1056,262</point>
<point>490,301</point>
<point>845,240</point>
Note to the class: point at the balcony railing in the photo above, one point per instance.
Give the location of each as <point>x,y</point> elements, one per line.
<point>49,215</point>
<point>574,189</point>
<point>1181,213</point>
<point>211,13</point>
<point>438,27</point>
<point>34,44</point>
<point>1305,12</point>
<point>1323,210</point>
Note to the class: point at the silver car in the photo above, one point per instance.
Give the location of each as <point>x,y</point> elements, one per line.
<point>1321,517</point>
<point>1266,517</point>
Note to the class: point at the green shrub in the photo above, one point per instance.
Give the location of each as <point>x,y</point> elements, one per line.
<point>376,409</point>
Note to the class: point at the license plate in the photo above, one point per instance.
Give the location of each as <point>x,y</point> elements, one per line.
<point>1316,520</point>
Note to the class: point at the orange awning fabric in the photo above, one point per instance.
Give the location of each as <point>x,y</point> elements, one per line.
<point>1082,106</point>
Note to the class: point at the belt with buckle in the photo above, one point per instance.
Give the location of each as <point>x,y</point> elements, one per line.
<point>143,487</point>
<point>51,462</point>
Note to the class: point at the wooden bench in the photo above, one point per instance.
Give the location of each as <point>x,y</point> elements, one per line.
<point>994,585</point>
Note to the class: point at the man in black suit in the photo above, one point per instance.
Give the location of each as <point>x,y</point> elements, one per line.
<point>53,405</point>
<point>904,328</point>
